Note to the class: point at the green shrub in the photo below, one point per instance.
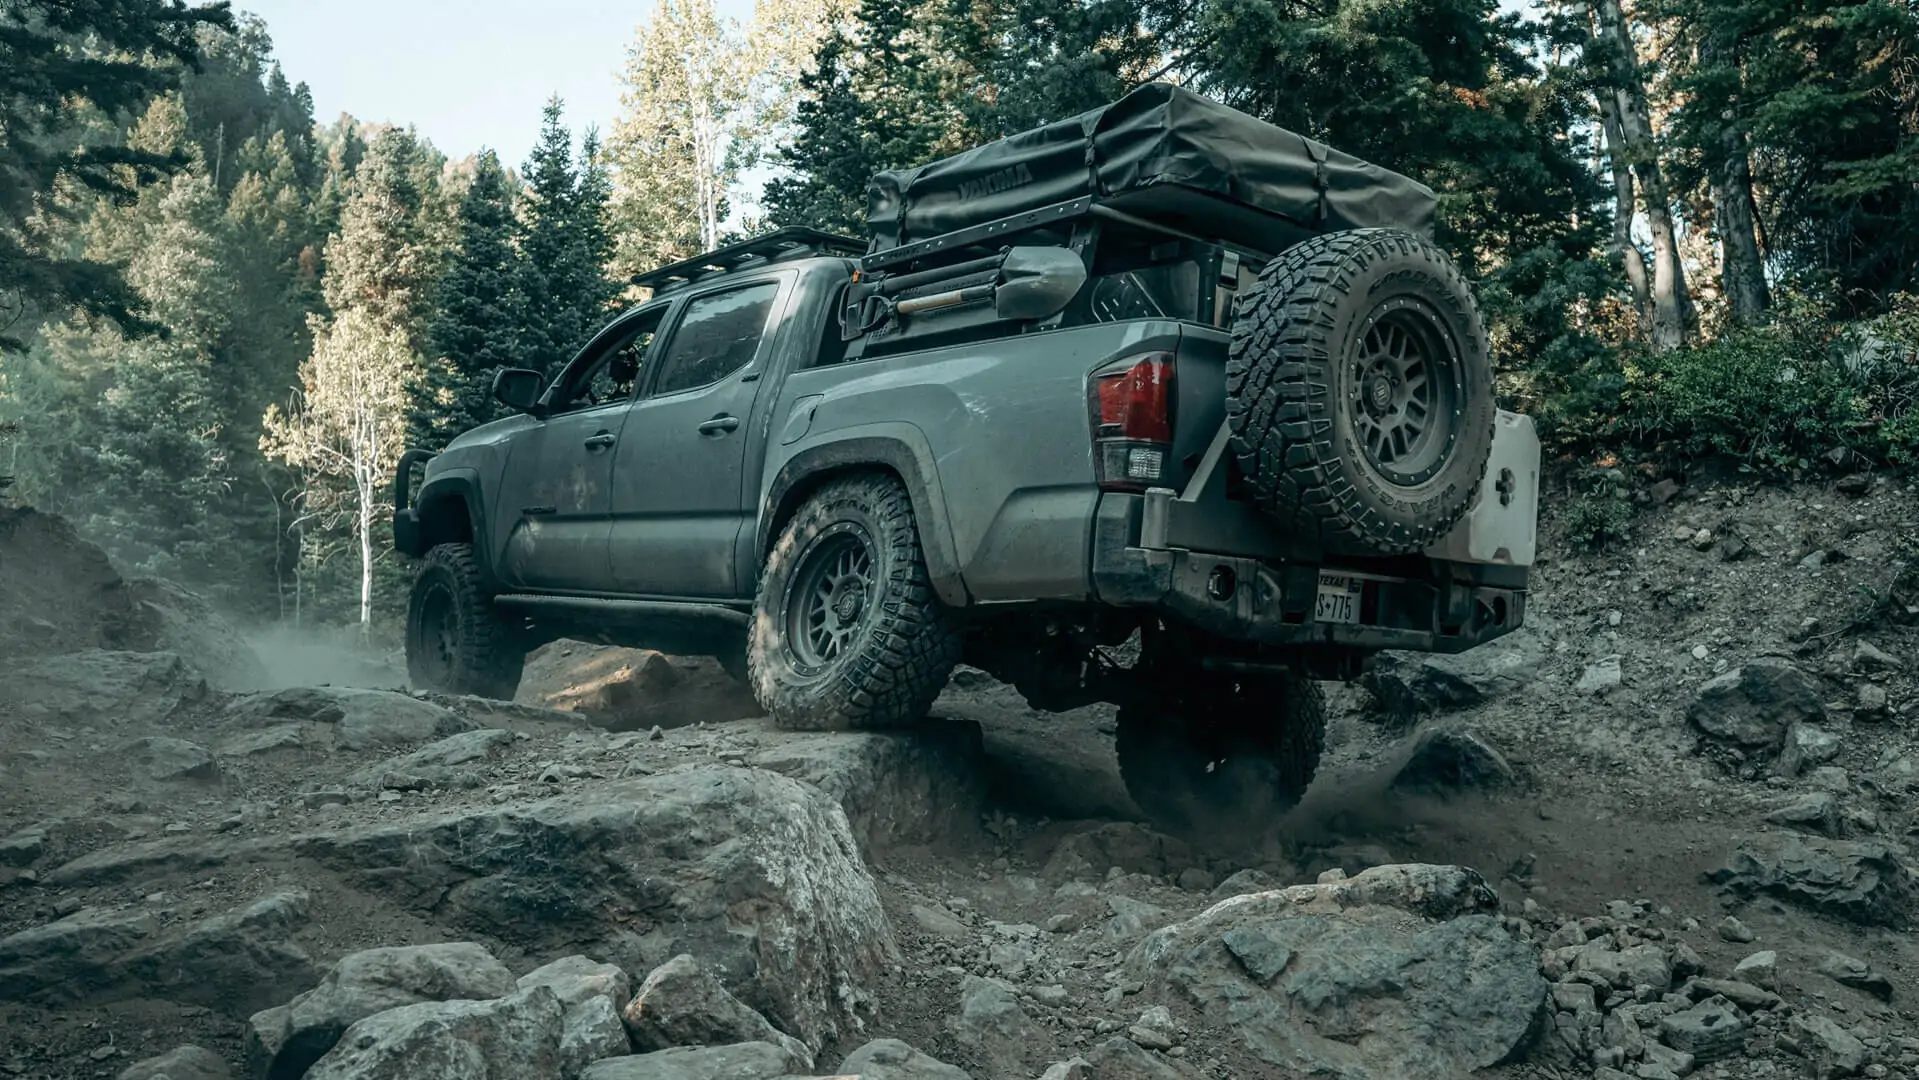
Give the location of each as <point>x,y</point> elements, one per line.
<point>1597,522</point>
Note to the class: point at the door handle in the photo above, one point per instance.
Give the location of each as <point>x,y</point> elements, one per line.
<point>601,441</point>
<point>720,425</point>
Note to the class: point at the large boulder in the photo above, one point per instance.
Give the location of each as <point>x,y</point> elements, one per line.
<point>165,758</point>
<point>681,1004</point>
<point>286,1041</point>
<point>1753,705</point>
<point>512,1038</point>
<point>1395,972</point>
<point>360,719</point>
<point>632,689</point>
<point>753,872</point>
<point>101,686</point>
<point>234,963</point>
<point>436,763</point>
<point>1410,684</point>
<point>916,787</point>
<point>1864,881</point>
<point>59,593</point>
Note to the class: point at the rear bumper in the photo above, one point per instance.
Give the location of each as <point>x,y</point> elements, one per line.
<point>1273,602</point>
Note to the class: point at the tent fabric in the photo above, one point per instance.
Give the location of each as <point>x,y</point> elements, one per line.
<point>1156,138</point>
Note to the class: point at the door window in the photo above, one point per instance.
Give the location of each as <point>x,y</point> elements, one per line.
<point>718,335</point>
<point>612,370</point>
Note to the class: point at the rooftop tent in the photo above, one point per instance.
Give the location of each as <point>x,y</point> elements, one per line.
<point>1163,153</point>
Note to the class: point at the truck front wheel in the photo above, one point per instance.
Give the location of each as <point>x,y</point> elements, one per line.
<point>847,633</point>
<point>456,640</point>
<point>1222,756</point>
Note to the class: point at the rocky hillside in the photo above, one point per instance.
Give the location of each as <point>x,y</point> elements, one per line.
<point>1663,832</point>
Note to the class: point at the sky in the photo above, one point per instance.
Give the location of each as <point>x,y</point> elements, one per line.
<point>465,73</point>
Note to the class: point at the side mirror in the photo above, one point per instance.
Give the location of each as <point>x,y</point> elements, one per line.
<point>1037,282</point>
<point>518,389</point>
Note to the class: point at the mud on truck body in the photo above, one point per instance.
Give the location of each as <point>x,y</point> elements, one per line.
<point>1161,406</point>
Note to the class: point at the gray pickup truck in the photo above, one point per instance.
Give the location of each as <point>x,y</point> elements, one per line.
<point>1160,406</point>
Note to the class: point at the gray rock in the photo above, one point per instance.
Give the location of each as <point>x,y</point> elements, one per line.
<point>1371,987</point>
<point>1133,918</point>
<point>23,847</point>
<point>1444,760</point>
<point>939,923</point>
<point>1601,677</point>
<point>365,719</point>
<point>1806,746</point>
<point>374,981</point>
<point>991,1023</point>
<point>1731,929</point>
<point>1753,705</point>
<point>756,874</point>
<point>236,964</point>
<point>1071,1069</point>
<point>1870,702</point>
<point>1833,1050</point>
<point>680,1004</point>
<point>1864,882</point>
<point>1708,1031</point>
<point>1627,969</point>
<point>71,959</point>
<point>1748,997</point>
<point>895,790</point>
<point>97,686</point>
<point>233,963</point>
<point>743,1061</point>
<point>891,1059</point>
<point>1869,657</point>
<point>591,994</point>
<point>1241,882</point>
<point>1760,969</point>
<point>1851,971</point>
<point>165,758</point>
<point>1816,812</point>
<point>274,738</point>
<point>1677,1062</point>
<point>509,1038</point>
<point>1410,684</point>
<point>1575,997</point>
<point>180,1063</point>
<point>436,760</point>
<point>1122,1059</point>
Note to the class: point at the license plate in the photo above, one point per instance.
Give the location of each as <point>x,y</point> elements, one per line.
<point>1338,600</point>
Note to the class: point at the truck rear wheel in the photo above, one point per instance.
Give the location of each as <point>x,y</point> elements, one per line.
<point>1223,756</point>
<point>1360,393</point>
<point>456,640</point>
<point>847,633</point>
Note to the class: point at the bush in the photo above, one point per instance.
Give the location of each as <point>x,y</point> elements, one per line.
<point>1597,522</point>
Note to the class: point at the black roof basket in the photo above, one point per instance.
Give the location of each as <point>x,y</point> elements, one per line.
<point>786,243</point>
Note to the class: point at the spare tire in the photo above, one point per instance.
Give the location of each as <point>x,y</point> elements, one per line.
<point>1360,392</point>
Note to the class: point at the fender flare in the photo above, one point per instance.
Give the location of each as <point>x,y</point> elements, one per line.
<point>442,491</point>
<point>900,447</point>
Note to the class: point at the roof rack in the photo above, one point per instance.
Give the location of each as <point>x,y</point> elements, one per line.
<point>785,243</point>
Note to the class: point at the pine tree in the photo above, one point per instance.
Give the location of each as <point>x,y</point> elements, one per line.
<point>563,278</point>
<point>381,261</point>
<point>477,312</point>
<point>58,60</point>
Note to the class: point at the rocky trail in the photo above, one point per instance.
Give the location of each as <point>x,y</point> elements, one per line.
<point>1665,831</point>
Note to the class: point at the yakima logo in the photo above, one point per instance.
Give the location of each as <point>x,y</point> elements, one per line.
<point>993,183</point>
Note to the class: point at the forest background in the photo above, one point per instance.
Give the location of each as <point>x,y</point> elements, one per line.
<point>1693,226</point>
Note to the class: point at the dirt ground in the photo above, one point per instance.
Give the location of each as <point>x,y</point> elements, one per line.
<point>1614,796</point>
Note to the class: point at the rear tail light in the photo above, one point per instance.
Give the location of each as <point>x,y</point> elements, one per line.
<point>1132,416</point>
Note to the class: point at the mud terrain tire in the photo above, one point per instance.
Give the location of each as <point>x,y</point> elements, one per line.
<point>1224,757</point>
<point>847,633</point>
<point>1360,393</point>
<point>456,640</point>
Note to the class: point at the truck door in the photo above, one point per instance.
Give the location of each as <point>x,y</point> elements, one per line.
<point>557,487</point>
<point>679,489</point>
